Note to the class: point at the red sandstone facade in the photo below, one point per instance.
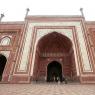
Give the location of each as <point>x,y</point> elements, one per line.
<point>29,47</point>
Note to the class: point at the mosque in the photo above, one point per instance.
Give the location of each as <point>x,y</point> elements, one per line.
<point>47,48</point>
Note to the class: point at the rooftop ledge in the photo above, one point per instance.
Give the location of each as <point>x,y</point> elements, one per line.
<point>12,22</point>
<point>53,17</point>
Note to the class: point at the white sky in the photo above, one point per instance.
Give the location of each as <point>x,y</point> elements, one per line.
<point>15,10</point>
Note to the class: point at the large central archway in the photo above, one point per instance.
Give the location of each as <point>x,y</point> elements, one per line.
<point>54,72</point>
<point>54,46</point>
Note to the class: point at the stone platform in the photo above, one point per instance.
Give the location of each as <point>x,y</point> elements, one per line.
<point>47,89</point>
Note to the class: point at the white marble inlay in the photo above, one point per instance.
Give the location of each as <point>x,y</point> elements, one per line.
<point>26,48</point>
<point>86,63</point>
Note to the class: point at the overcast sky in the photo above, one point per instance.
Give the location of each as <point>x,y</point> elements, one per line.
<point>15,10</point>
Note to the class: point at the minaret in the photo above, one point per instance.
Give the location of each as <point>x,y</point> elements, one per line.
<point>2,15</point>
<point>27,11</point>
<point>81,10</point>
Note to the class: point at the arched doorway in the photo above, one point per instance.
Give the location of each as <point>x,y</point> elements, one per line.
<point>3,61</point>
<point>54,72</point>
<point>54,46</point>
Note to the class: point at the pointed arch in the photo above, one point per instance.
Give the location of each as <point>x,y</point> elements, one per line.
<point>54,46</point>
<point>56,40</point>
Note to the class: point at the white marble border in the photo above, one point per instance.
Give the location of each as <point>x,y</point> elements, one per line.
<point>85,60</point>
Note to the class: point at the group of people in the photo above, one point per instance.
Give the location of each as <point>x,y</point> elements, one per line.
<point>58,79</point>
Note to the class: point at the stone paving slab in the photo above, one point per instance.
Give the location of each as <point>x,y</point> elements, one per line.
<point>47,89</point>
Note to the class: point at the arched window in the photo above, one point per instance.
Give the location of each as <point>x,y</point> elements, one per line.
<point>5,41</point>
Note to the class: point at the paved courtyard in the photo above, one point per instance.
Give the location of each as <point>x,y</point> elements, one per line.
<point>46,89</point>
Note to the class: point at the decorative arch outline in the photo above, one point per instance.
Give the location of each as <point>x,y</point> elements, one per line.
<point>60,36</point>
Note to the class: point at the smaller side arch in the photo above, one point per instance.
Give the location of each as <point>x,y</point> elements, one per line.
<point>3,61</point>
